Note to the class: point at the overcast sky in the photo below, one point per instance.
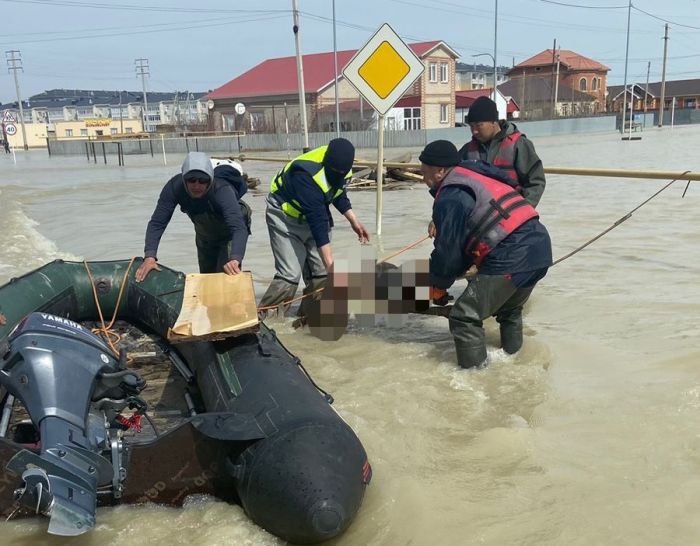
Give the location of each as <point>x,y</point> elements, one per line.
<point>197,46</point>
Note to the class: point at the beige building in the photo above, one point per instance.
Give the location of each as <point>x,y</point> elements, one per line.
<point>270,96</point>
<point>36,134</point>
<point>95,128</point>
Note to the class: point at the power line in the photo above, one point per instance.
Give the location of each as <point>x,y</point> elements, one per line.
<point>662,19</point>
<point>135,7</point>
<point>565,4</point>
<point>83,30</point>
<point>188,27</point>
<point>580,6</point>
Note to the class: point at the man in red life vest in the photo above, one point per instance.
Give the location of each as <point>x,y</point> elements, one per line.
<point>481,220</point>
<point>502,145</point>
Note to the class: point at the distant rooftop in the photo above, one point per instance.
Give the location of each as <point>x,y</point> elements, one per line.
<point>567,59</point>
<point>478,67</point>
<point>677,88</point>
<point>279,76</point>
<point>58,98</point>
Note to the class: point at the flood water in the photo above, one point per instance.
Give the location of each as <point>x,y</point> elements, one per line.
<point>590,435</point>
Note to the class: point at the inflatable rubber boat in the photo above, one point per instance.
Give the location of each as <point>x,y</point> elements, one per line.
<point>83,425</point>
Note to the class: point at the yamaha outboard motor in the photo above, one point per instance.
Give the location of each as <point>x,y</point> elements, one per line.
<point>73,388</point>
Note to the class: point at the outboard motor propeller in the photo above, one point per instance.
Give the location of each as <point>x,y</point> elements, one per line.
<point>72,387</point>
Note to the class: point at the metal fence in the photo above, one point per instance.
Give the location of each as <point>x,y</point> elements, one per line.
<point>233,144</point>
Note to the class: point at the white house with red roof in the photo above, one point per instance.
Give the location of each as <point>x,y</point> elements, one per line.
<point>270,94</point>
<point>507,107</point>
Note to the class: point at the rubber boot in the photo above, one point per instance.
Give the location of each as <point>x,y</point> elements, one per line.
<point>470,356</point>
<point>512,336</point>
<point>310,300</point>
<point>279,291</point>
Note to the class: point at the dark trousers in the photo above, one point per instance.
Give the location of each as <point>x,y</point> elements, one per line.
<point>487,296</point>
<point>212,255</point>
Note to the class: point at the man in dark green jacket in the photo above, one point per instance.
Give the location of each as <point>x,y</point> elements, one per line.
<point>502,145</point>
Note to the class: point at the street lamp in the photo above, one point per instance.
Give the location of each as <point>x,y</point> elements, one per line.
<point>495,74</point>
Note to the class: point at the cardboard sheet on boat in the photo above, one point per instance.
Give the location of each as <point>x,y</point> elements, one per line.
<point>215,306</point>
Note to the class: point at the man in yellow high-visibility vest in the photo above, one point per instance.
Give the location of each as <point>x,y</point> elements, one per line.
<point>299,219</point>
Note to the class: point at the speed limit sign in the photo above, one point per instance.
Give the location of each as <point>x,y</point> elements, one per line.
<point>10,129</point>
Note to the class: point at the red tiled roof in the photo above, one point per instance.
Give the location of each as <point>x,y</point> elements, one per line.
<point>279,76</point>
<point>464,99</point>
<point>569,59</point>
<point>404,102</point>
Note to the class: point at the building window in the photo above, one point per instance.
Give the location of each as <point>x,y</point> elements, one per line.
<point>582,84</point>
<point>128,130</point>
<point>444,113</point>
<point>443,73</point>
<point>432,69</point>
<point>257,121</point>
<point>69,132</point>
<point>411,119</point>
<point>83,132</point>
<point>594,84</point>
<point>113,131</point>
<point>690,103</point>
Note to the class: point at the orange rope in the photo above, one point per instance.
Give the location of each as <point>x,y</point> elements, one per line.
<point>404,249</point>
<point>293,300</point>
<point>110,336</point>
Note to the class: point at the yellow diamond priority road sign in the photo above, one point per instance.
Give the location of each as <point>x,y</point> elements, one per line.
<point>384,69</point>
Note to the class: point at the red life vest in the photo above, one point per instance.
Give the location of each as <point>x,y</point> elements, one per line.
<point>498,212</point>
<point>505,156</point>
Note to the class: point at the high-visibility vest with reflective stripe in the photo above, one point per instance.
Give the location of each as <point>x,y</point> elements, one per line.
<point>505,156</point>
<point>312,163</point>
<point>498,212</point>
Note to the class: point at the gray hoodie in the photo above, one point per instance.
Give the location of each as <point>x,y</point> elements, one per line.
<point>221,199</point>
<point>197,161</point>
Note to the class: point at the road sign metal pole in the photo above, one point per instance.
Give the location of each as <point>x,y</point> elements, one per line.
<point>335,61</point>
<point>380,170</point>
<point>382,71</point>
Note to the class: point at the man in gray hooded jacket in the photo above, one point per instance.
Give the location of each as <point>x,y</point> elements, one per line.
<point>212,203</point>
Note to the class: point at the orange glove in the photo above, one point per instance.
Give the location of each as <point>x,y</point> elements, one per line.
<point>439,296</point>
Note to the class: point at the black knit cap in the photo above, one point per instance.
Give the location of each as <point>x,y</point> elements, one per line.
<point>440,153</point>
<point>482,109</point>
<point>339,156</point>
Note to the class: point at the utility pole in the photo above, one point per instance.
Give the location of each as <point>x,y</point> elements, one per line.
<point>495,52</point>
<point>556,89</point>
<point>14,64</point>
<point>646,93</point>
<point>627,53</point>
<point>663,79</point>
<point>523,109</point>
<point>121,115</point>
<point>554,58</point>
<point>143,71</point>
<point>300,76</point>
